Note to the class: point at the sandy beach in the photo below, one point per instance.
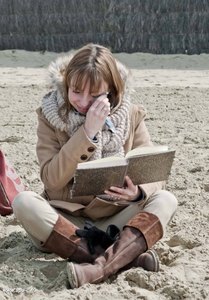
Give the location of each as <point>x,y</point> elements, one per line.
<point>175,91</point>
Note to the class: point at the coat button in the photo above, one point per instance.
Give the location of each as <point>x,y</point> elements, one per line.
<point>83,157</point>
<point>91,149</point>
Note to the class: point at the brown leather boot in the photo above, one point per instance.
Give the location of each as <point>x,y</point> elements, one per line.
<point>141,233</point>
<point>64,242</point>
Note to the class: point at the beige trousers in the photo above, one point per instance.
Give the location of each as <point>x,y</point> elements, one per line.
<point>38,217</point>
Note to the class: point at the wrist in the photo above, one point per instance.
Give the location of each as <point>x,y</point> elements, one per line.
<point>140,195</point>
<point>89,133</point>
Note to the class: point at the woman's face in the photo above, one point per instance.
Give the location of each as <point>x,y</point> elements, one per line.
<point>82,100</point>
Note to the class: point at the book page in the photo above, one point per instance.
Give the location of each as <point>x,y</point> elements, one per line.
<point>147,150</point>
<point>110,161</point>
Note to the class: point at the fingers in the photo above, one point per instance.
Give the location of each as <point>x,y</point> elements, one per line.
<point>130,185</point>
<point>96,116</point>
<point>101,105</point>
<point>127,193</point>
<point>129,182</point>
<point>105,110</point>
<point>115,194</point>
<point>115,198</point>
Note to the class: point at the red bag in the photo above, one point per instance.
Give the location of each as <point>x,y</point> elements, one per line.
<point>10,185</point>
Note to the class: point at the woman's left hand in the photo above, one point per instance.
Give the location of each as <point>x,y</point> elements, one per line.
<point>128,193</point>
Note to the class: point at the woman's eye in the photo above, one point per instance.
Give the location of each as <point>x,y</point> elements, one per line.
<point>76,91</point>
<point>97,96</point>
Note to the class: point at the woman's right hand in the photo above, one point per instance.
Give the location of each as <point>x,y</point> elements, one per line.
<point>96,116</point>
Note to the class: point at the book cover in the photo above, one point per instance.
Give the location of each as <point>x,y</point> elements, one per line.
<point>94,181</point>
<point>148,168</point>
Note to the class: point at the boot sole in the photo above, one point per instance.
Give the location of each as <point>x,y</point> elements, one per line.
<point>72,278</point>
<point>155,259</point>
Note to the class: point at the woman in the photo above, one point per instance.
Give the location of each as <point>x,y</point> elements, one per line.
<point>88,88</point>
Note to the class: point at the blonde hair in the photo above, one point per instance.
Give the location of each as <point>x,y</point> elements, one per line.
<point>93,63</point>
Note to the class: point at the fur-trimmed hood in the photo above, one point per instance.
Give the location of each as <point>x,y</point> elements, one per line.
<point>57,69</point>
<point>108,143</point>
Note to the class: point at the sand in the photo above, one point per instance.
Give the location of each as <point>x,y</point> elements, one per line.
<point>174,89</point>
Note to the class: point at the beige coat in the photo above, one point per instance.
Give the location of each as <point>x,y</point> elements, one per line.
<point>59,155</point>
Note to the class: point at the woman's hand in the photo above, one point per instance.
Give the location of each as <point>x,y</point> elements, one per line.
<point>129,193</point>
<point>96,116</point>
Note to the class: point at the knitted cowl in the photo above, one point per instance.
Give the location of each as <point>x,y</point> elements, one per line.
<point>108,143</point>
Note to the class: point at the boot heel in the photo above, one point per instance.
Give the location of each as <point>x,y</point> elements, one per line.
<point>156,263</point>
<point>149,261</point>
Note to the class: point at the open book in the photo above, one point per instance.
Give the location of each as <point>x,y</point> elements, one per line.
<point>142,165</point>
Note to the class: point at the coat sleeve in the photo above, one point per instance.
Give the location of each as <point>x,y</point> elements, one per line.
<point>58,163</point>
<point>142,138</point>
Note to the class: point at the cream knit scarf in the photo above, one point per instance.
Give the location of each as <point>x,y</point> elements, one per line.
<point>109,144</point>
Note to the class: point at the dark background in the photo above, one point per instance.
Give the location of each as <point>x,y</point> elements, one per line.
<point>154,26</point>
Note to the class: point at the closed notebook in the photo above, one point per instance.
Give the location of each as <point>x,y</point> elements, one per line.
<point>142,165</point>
